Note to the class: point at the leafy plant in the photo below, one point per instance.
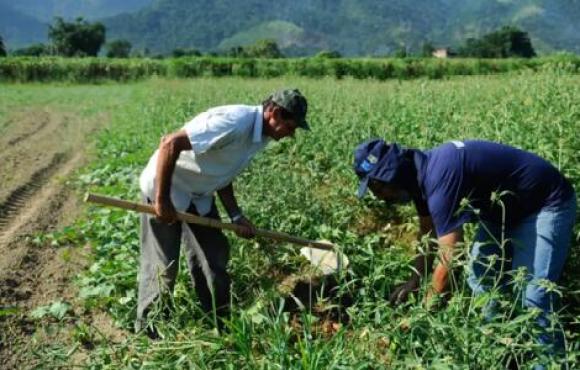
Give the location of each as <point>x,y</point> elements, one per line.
<point>57,310</point>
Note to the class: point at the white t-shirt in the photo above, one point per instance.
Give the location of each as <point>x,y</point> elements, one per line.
<point>223,140</point>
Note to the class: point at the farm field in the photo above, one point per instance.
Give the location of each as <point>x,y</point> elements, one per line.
<point>68,271</point>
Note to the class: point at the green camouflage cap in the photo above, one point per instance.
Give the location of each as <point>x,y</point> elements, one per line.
<point>294,102</point>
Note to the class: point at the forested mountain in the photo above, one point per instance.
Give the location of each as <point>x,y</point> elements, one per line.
<point>18,29</point>
<point>23,22</point>
<point>552,25</point>
<point>352,27</point>
<point>46,10</point>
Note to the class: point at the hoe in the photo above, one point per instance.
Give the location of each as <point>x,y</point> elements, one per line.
<point>321,254</point>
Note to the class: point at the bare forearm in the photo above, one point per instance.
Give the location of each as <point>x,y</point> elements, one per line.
<point>447,246</point>
<point>422,264</point>
<point>228,199</point>
<point>424,260</point>
<point>170,148</point>
<point>230,203</point>
<point>165,166</point>
<point>440,279</point>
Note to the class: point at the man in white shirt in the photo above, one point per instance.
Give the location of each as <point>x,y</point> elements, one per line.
<point>190,166</point>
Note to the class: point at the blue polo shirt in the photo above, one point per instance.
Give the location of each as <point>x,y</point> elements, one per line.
<point>473,170</point>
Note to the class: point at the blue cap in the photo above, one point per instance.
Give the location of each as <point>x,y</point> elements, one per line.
<point>375,159</point>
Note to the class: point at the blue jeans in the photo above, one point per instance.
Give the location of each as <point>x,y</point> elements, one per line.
<point>540,243</point>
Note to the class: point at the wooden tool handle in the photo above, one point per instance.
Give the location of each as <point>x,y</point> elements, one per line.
<point>205,221</point>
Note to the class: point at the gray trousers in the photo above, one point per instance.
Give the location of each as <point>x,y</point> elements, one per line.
<point>207,253</point>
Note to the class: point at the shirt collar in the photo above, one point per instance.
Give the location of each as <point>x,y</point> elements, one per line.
<point>258,125</point>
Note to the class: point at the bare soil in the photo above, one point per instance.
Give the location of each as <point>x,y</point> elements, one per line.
<point>40,150</point>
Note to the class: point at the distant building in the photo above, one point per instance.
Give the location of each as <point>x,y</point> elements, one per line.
<point>443,53</point>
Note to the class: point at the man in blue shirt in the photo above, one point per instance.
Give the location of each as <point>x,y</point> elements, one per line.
<point>524,206</point>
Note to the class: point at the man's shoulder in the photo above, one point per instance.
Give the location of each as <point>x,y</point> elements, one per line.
<point>445,156</point>
<point>448,148</point>
<point>233,112</point>
<point>444,170</point>
<point>239,118</point>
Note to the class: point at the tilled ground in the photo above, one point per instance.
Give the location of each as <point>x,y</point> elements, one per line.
<point>40,150</point>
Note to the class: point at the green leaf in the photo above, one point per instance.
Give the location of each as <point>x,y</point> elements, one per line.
<point>8,311</point>
<point>103,290</point>
<point>39,312</point>
<point>59,309</point>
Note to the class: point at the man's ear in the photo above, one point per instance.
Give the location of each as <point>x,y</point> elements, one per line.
<point>268,112</point>
<point>276,112</point>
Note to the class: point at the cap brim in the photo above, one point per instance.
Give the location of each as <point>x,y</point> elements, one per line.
<point>363,187</point>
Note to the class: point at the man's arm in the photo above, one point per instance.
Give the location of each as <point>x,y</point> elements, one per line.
<point>169,149</point>
<point>230,203</point>
<point>422,264</point>
<point>424,261</point>
<point>447,244</point>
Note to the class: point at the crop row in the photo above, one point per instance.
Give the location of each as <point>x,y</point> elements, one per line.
<point>98,69</point>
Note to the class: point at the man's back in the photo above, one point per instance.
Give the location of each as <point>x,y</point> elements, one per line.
<point>475,169</point>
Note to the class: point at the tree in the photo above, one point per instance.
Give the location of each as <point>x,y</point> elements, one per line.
<point>2,47</point>
<point>36,50</point>
<point>260,49</point>
<point>521,45</point>
<point>119,49</point>
<point>78,38</point>
<point>237,52</point>
<point>177,53</point>
<point>401,52</point>
<point>505,43</point>
<point>264,49</point>
<point>427,50</point>
<point>328,54</point>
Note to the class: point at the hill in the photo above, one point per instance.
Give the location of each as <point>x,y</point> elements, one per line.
<point>364,27</point>
<point>351,27</point>
<point>552,25</point>
<point>354,28</point>
<point>24,22</point>
<point>19,29</point>
<point>46,10</point>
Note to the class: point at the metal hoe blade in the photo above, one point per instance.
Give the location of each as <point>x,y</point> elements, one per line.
<point>327,261</point>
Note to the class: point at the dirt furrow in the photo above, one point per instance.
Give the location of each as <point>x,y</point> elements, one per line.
<point>25,136</point>
<point>41,149</point>
<point>18,198</point>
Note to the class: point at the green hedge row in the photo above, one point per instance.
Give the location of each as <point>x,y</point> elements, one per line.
<point>31,69</point>
<point>45,69</point>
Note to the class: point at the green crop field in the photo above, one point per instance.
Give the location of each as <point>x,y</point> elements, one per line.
<point>305,186</point>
